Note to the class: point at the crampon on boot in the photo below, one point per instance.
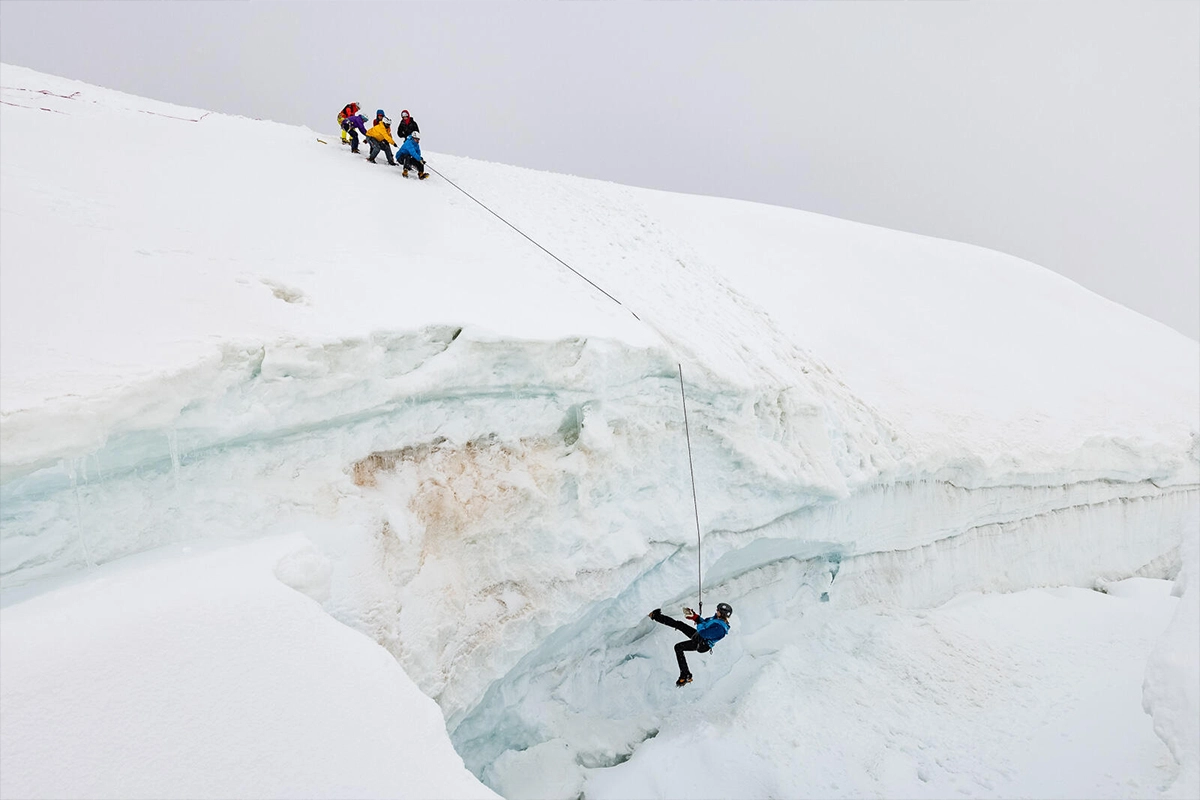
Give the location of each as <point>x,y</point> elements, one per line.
<point>684,679</point>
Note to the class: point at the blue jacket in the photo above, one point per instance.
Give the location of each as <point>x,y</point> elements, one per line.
<point>410,148</point>
<point>712,630</point>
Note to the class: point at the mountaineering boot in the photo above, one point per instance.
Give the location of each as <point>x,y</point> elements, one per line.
<point>404,174</point>
<point>654,615</point>
<point>371,160</point>
<point>422,175</point>
<point>684,679</point>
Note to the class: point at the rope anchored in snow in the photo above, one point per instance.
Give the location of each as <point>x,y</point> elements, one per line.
<point>531,240</point>
<point>682,394</point>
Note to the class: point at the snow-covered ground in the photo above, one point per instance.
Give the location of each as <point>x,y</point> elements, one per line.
<point>202,674</point>
<point>236,359</point>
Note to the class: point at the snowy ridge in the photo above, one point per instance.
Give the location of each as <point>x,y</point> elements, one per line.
<point>486,455</point>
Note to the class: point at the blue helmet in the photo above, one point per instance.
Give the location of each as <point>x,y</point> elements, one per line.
<point>379,112</point>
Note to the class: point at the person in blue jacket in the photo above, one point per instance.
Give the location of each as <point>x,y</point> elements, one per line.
<point>409,155</point>
<point>708,632</point>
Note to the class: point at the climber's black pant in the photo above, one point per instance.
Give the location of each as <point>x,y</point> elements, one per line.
<point>694,642</point>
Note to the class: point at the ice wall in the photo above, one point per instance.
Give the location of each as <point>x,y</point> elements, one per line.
<point>472,519</point>
<point>259,438</point>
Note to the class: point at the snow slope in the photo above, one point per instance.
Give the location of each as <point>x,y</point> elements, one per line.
<point>204,675</point>
<point>218,329</point>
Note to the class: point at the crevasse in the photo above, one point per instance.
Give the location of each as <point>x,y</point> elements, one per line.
<point>504,538</point>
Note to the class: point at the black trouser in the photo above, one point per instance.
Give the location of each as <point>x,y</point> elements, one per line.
<point>408,162</point>
<point>353,140</point>
<point>376,146</point>
<point>694,642</point>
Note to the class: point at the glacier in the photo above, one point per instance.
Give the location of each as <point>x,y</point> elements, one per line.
<point>464,452</point>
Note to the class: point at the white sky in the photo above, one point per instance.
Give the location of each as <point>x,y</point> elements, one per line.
<point>1065,133</point>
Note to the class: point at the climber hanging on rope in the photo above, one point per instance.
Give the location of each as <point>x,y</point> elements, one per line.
<point>708,631</point>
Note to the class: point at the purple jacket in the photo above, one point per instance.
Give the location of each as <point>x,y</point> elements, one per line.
<point>357,121</point>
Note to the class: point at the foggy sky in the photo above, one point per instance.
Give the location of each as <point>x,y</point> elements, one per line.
<point>1064,133</point>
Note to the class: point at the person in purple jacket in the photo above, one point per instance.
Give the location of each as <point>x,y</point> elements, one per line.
<point>355,125</point>
<point>708,632</point>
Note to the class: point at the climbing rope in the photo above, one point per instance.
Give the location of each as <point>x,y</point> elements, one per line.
<point>531,240</point>
<point>695,504</point>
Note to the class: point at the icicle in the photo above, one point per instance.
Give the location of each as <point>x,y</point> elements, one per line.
<point>173,448</point>
<point>69,467</point>
<point>99,466</point>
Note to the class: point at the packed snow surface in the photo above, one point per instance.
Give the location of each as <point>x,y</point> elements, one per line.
<point>273,406</point>
<point>203,675</point>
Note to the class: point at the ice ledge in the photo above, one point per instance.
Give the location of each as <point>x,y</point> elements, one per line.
<point>1077,545</point>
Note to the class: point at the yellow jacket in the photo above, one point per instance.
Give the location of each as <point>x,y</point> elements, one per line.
<point>380,132</point>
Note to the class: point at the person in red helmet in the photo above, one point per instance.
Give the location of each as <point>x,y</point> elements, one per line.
<point>348,111</point>
<point>406,126</point>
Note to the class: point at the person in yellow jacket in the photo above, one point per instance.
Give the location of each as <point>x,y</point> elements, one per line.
<point>379,136</point>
